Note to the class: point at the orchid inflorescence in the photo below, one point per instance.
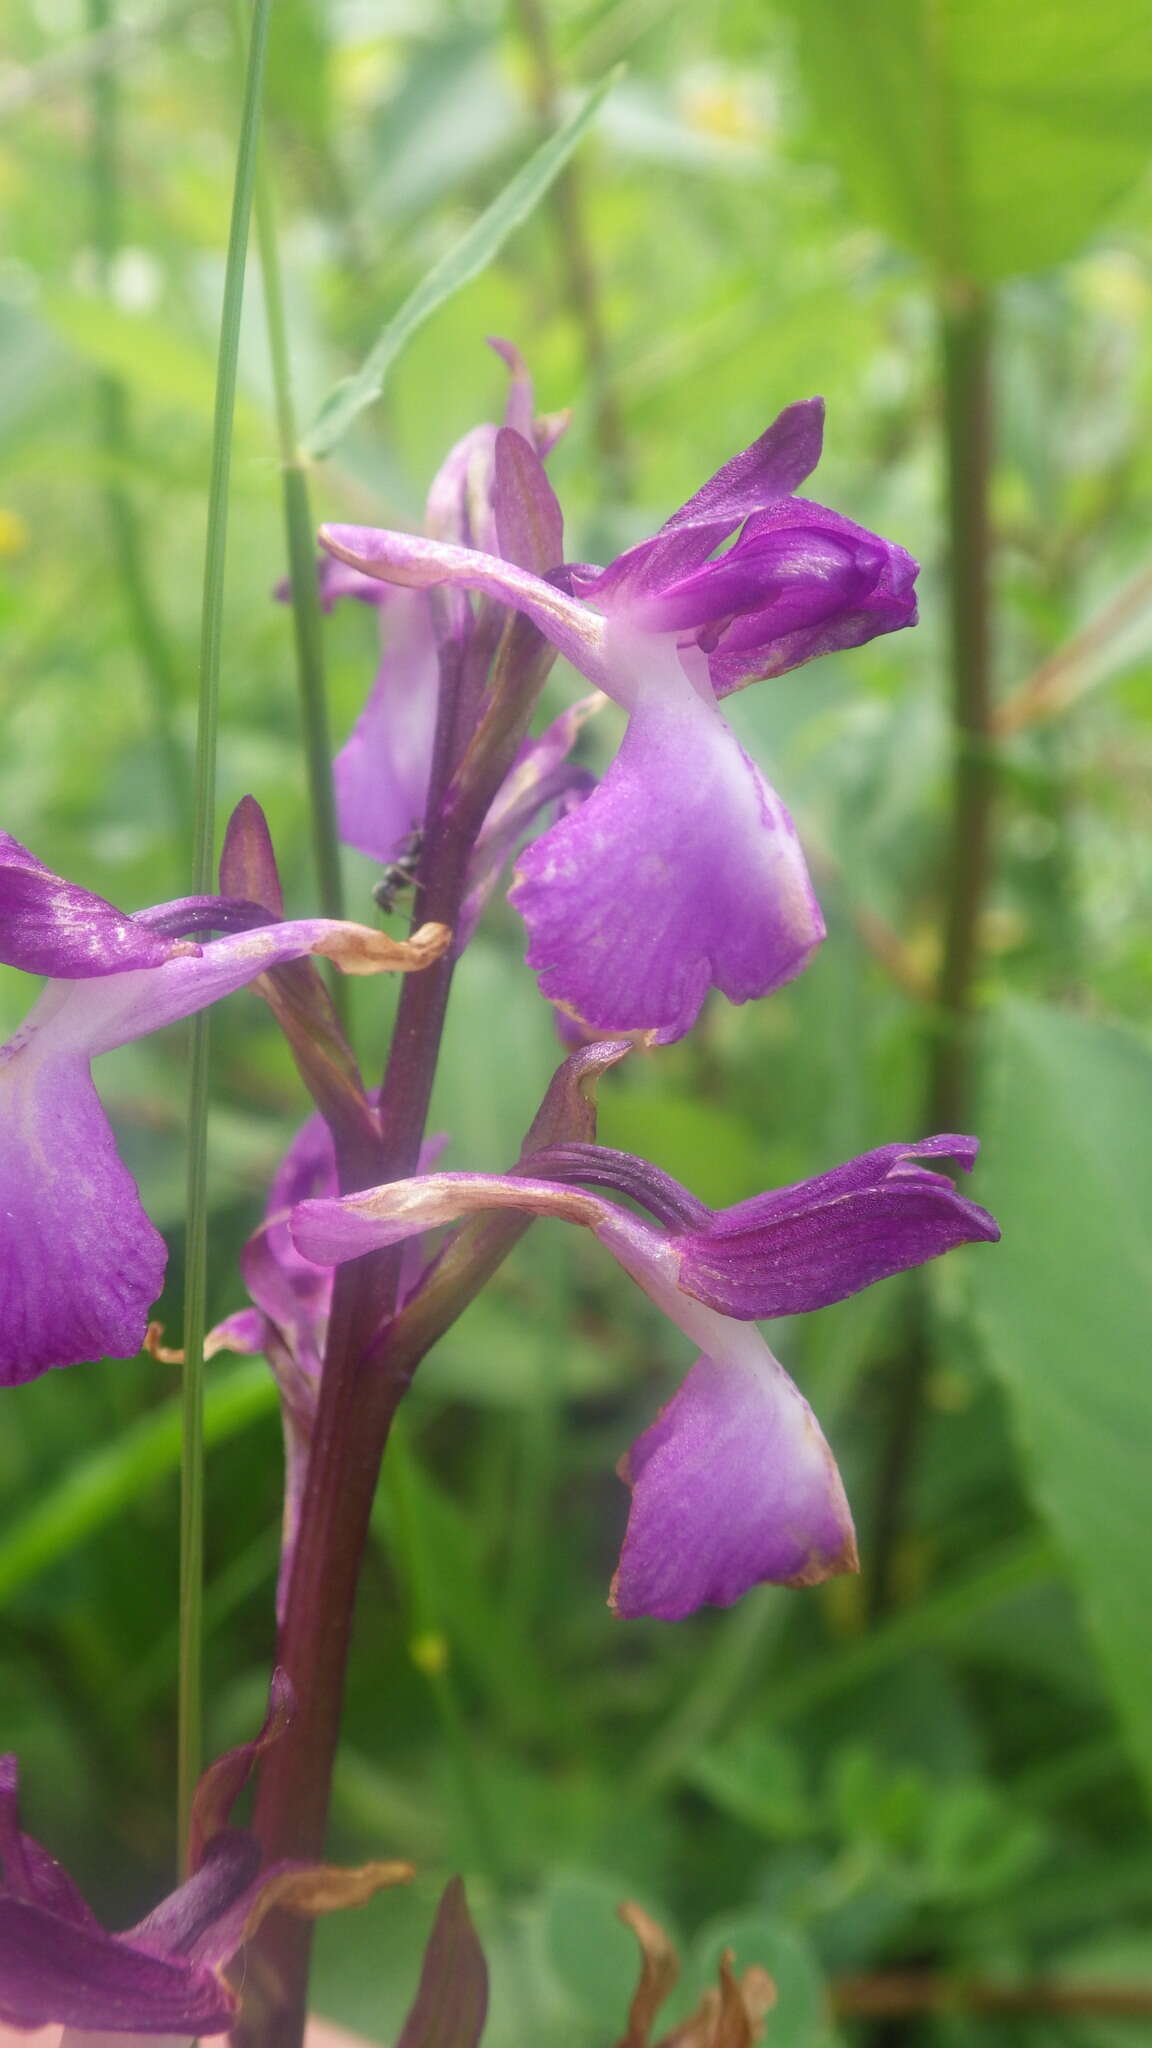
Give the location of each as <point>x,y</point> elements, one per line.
<point>679,873</point>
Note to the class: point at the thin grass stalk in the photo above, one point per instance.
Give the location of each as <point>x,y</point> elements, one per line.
<point>204,826</point>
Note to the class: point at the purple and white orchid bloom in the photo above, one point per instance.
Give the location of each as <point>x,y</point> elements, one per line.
<point>58,1966</point>
<point>80,1263</point>
<point>733,1484</point>
<point>381,773</point>
<point>291,1302</point>
<point>683,872</point>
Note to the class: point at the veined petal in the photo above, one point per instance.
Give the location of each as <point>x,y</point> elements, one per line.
<point>680,873</point>
<point>54,1971</point>
<point>770,470</point>
<point>709,1519</point>
<point>50,926</point>
<point>80,1264</point>
<point>574,630</point>
<point>381,772</point>
<point>733,1486</point>
<point>800,1248</point>
<point>100,1014</point>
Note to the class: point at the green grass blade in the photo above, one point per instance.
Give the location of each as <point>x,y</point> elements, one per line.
<point>472,254</point>
<point>204,827</point>
<point>96,1490</point>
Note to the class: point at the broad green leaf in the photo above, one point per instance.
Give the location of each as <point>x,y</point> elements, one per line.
<point>1066,1305</point>
<point>93,1491</point>
<point>991,139</point>
<point>484,240</point>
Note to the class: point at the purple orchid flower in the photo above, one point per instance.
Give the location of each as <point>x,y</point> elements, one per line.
<point>80,1263</point>
<point>381,773</point>
<point>683,871</point>
<point>163,1976</point>
<point>292,1300</point>
<point>733,1484</point>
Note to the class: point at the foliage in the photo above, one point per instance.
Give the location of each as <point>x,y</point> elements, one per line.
<point>961,1783</point>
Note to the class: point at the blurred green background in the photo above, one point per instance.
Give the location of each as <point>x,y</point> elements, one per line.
<point>944,1772</point>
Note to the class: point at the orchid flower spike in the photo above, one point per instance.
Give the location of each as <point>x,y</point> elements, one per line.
<point>381,773</point>
<point>683,871</point>
<point>163,1976</point>
<point>80,1263</point>
<point>291,1301</point>
<point>733,1484</point>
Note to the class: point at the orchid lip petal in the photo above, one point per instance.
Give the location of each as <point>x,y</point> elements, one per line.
<point>662,885</point>
<point>733,1486</point>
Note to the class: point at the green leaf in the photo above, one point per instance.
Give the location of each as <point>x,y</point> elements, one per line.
<point>991,139</point>
<point>472,254</point>
<point>1066,1305</point>
<point>93,1491</point>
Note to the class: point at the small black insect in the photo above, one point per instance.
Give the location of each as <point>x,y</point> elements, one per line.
<point>400,873</point>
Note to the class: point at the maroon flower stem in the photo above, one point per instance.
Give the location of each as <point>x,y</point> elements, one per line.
<point>966,362</point>
<point>362,1384</point>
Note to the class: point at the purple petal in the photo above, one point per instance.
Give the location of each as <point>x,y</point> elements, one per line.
<point>733,1486</point>
<point>222,1783</point>
<point>671,879</point>
<point>248,860</point>
<point>100,1014</point>
<point>340,579</point>
<point>27,1870</point>
<point>773,467</point>
<point>53,1971</point>
<point>767,640</point>
<point>529,522</point>
<point>451,2003</point>
<point>333,1231</point>
<point>539,778</point>
<point>768,471</point>
<point>798,576</point>
<point>575,631</point>
<point>459,503</point>
<point>49,926</point>
<point>80,1264</point>
<point>381,773</point>
<point>194,1921</point>
<point>800,1248</point>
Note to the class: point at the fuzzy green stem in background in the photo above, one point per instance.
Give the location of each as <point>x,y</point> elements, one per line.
<point>581,278</point>
<point>300,533</point>
<point>157,662</point>
<point>211,640</point>
<point>966,375</point>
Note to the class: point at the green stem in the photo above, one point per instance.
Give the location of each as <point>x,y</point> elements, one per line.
<point>301,538</point>
<point>966,367</point>
<point>160,670</point>
<point>204,838</point>
<point>581,278</point>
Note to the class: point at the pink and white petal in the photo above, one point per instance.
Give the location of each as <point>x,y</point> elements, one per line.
<point>80,1264</point>
<point>381,772</point>
<point>94,1016</point>
<point>574,630</point>
<point>332,1231</point>
<point>665,883</point>
<point>50,926</point>
<point>733,1486</point>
